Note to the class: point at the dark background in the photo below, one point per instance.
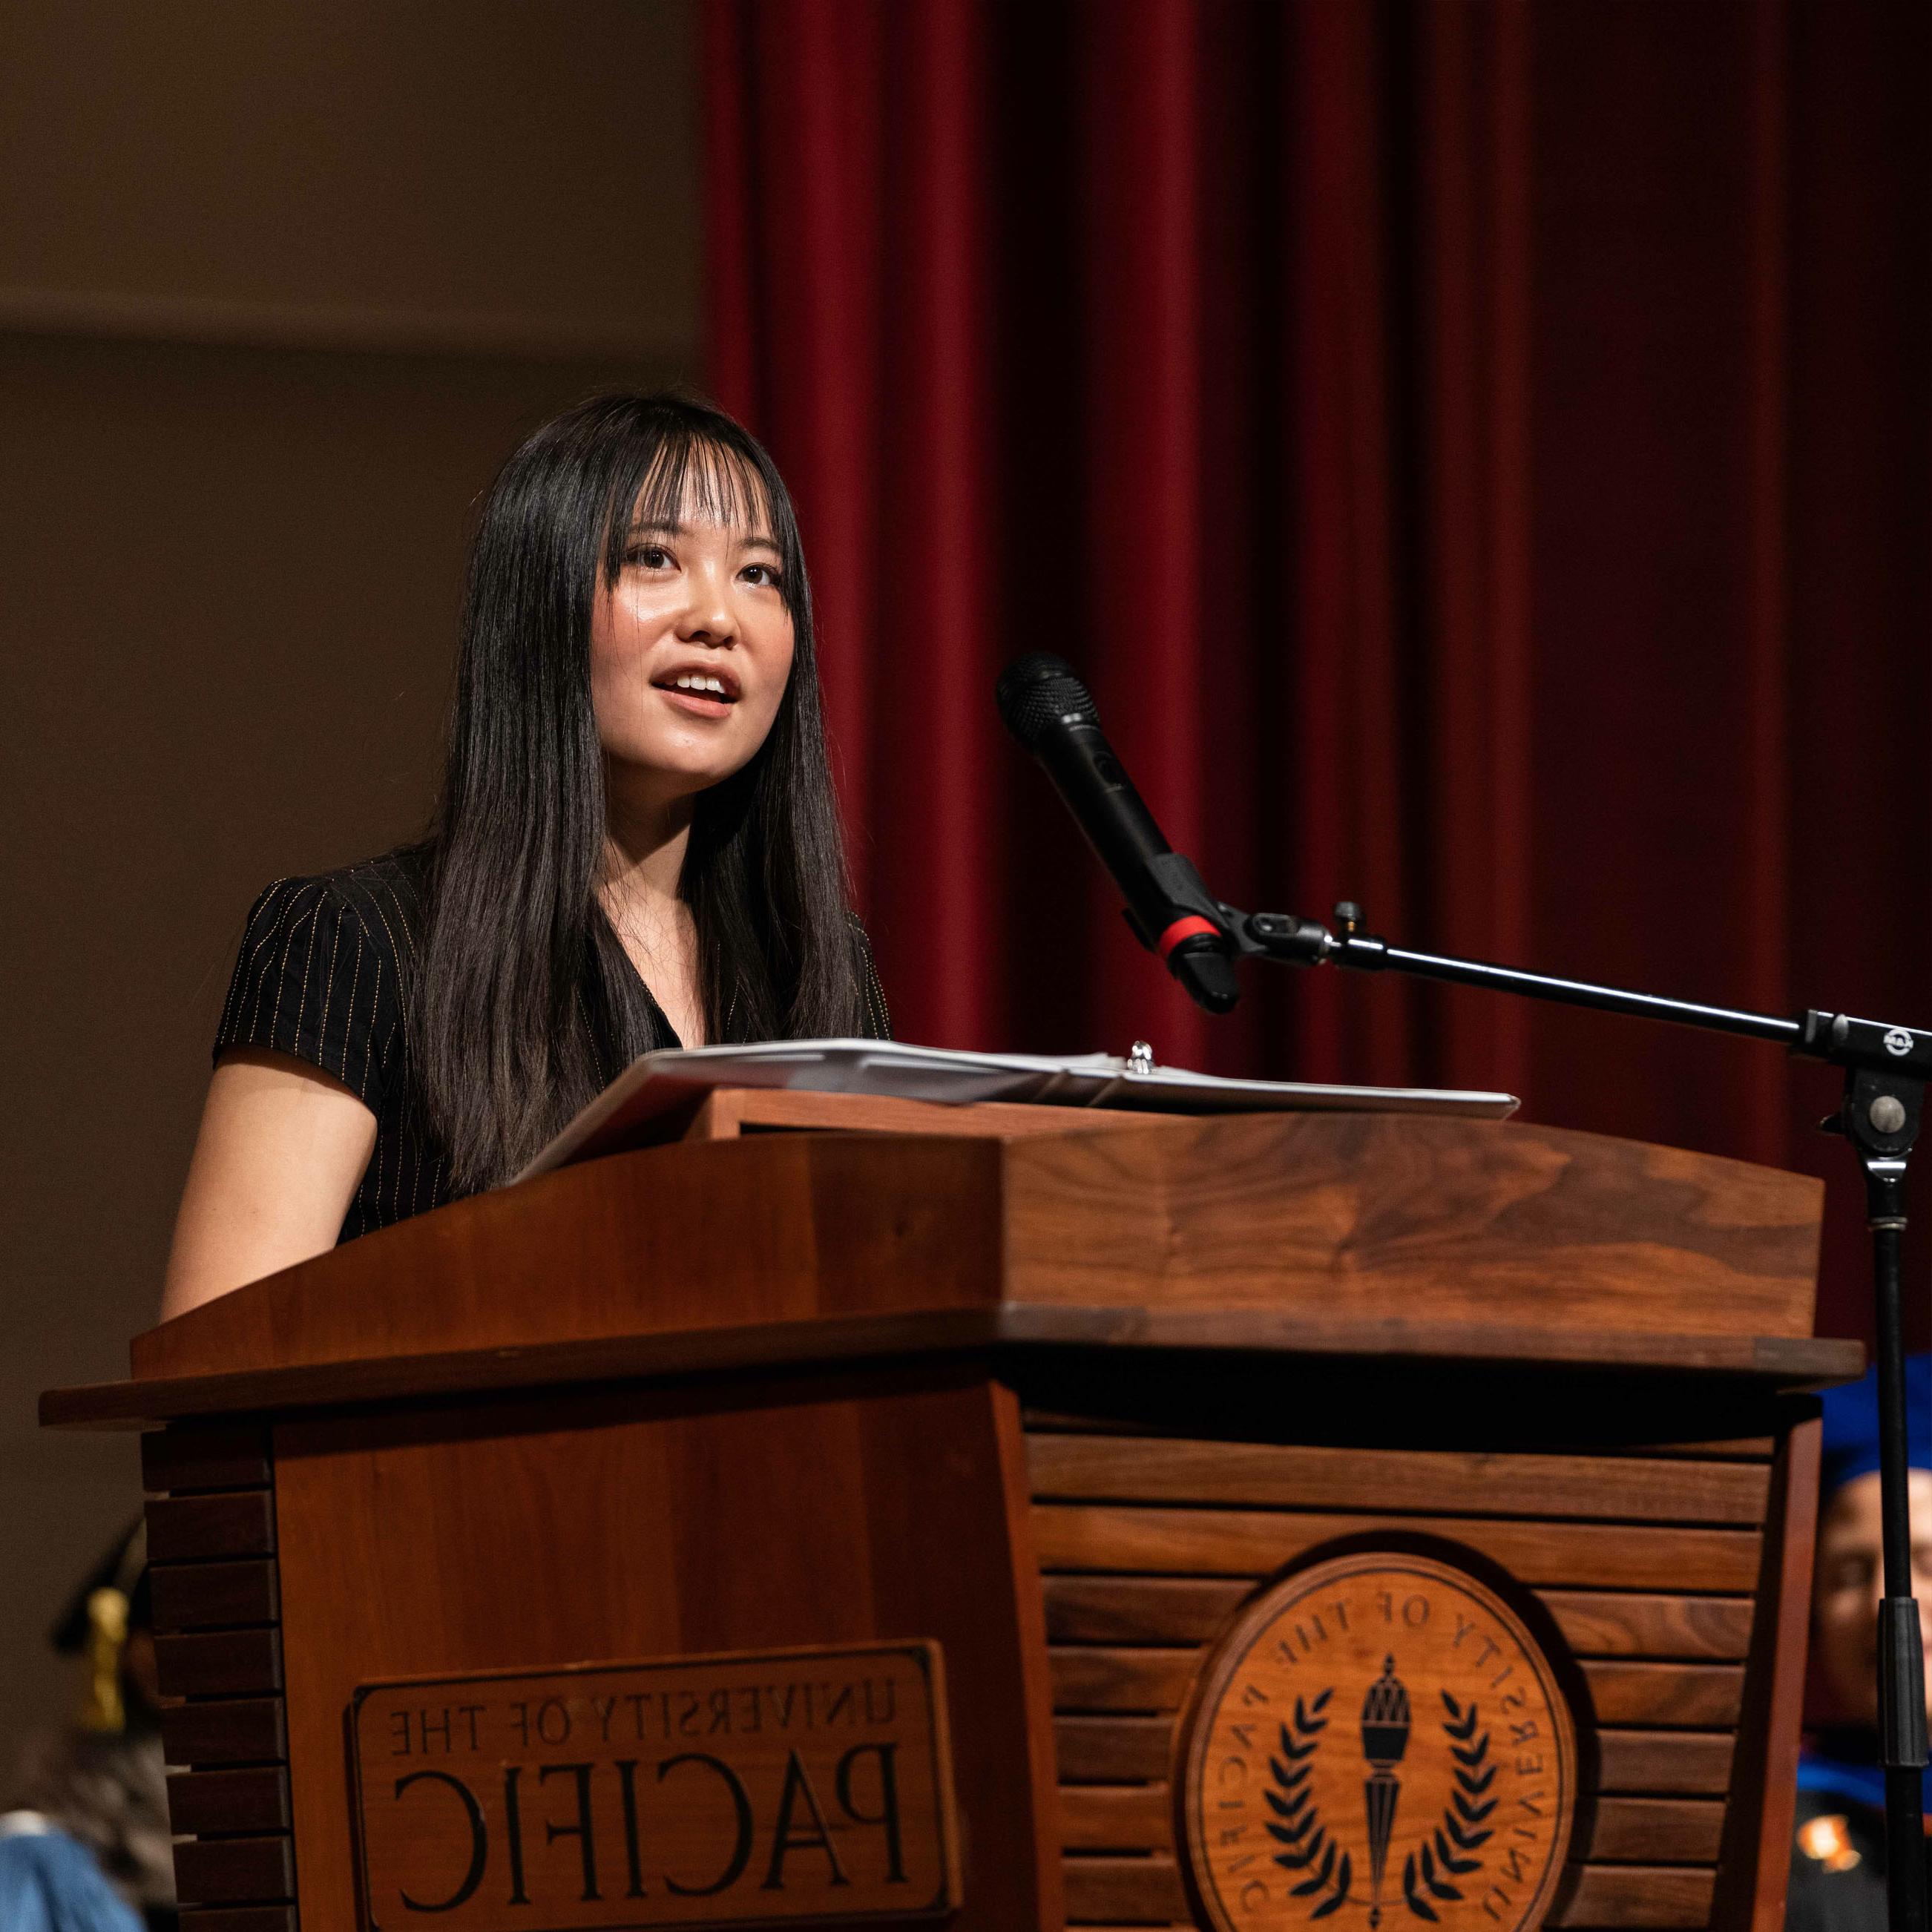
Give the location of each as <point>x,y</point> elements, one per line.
<point>280,286</point>
<point>1480,453</point>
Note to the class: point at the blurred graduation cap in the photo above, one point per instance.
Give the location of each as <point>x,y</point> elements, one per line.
<point>111,1602</point>
<point>1849,1446</point>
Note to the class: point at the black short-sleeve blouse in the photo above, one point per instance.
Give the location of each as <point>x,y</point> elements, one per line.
<point>325,969</point>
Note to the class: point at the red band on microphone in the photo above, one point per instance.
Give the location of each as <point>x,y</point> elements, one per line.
<point>1193,926</point>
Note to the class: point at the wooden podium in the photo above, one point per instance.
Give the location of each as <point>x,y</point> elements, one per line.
<point>920,1499</point>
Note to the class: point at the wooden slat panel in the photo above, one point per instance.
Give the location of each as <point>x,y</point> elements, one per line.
<point>1630,1624</point>
<point>1103,1886</point>
<point>1148,1469</point>
<point>235,1871</point>
<point>1655,1831</point>
<point>1116,1818</point>
<point>1639,1895</point>
<point>1097,1678</point>
<point>1139,1610</point>
<point>1689,1696</point>
<point>205,1455</point>
<point>212,1802</point>
<point>1102,1749</point>
<point>1225,1542</point>
<point>183,1529</point>
<point>1665,1763</point>
<point>1120,1680</point>
<point>1106,1887</point>
<point>214,1596</point>
<point>1689,1764</point>
<point>239,1918</point>
<point>1735,1449</point>
<point>219,1663</point>
<point>244,1730</point>
<point>1133,1818</point>
<point>1088,1608</point>
<point>1644,1831</point>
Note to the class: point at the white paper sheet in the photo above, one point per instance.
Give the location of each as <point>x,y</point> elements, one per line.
<point>660,1082</point>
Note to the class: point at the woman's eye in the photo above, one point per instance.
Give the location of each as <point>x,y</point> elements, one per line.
<point>764,575</point>
<point>653,556</point>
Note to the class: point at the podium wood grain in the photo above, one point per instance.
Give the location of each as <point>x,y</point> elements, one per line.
<point>762,1387</point>
<point>1137,1592</point>
<point>507,1535</point>
<point>1364,1217</point>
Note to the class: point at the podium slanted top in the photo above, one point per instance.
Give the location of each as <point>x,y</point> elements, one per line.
<point>1362,1234</point>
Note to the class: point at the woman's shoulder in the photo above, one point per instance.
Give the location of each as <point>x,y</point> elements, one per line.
<point>325,965</point>
<point>381,897</point>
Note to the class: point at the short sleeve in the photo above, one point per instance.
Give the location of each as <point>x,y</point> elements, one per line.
<point>312,980</point>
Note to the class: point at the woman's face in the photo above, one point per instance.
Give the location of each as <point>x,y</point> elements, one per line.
<point>690,649</point>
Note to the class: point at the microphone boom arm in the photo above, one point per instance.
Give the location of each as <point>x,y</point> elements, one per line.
<point>1837,1039</point>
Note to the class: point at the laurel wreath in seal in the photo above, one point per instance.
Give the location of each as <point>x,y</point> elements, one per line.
<point>1461,1833</point>
<point>1305,1845</point>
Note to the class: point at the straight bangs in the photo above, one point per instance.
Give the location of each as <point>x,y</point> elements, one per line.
<point>686,472</point>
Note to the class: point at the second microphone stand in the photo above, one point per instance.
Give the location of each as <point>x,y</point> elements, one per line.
<point>1886,1070</point>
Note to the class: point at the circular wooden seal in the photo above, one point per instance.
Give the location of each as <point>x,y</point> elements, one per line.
<point>1378,1739</point>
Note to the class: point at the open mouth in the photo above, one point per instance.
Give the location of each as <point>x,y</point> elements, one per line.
<point>706,691</point>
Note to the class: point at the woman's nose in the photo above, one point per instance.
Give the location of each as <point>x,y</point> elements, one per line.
<point>708,617</point>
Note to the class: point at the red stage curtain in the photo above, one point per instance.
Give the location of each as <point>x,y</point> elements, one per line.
<point>1480,456</point>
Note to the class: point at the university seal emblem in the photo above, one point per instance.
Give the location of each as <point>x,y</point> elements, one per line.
<point>1378,1741</point>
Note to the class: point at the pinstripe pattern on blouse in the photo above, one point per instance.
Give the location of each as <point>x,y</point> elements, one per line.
<point>325,973</point>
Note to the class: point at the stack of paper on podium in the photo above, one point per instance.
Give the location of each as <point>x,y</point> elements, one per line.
<point>661,1084</point>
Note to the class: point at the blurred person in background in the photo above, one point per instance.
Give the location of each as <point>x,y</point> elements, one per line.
<point>85,1844</point>
<point>1838,1864</point>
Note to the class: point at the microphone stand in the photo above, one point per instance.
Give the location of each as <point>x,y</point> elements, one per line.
<point>1886,1070</point>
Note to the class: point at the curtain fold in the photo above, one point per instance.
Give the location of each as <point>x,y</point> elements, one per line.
<point>1480,455</point>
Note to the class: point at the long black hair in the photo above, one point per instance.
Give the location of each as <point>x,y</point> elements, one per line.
<point>524,994</point>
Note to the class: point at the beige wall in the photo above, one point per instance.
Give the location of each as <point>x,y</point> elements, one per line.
<point>279,286</point>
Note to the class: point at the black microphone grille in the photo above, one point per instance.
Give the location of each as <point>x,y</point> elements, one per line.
<point>1039,690</point>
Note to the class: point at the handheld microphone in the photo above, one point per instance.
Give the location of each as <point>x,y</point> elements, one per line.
<point>1172,913</point>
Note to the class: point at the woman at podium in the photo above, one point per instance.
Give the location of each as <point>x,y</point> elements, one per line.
<point>636,846</point>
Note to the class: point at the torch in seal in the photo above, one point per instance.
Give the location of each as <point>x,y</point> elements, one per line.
<point>1384,1738</point>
